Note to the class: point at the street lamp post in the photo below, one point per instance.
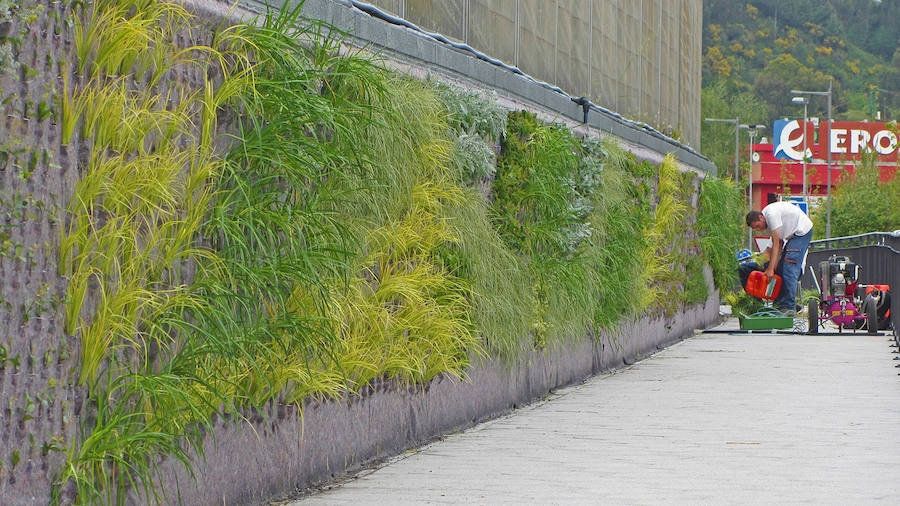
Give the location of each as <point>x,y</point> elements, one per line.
<point>752,130</point>
<point>736,142</point>
<point>828,154</point>
<point>804,101</point>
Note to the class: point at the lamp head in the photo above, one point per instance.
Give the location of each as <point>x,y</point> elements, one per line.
<point>752,128</point>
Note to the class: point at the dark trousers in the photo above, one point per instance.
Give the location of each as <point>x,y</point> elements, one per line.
<point>790,268</point>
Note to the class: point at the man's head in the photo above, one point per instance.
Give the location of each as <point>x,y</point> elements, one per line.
<point>756,220</point>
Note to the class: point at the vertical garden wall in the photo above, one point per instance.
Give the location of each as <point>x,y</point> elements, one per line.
<point>228,243</point>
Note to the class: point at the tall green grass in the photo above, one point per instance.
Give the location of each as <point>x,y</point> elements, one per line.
<point>503,308</point>
<point>314,244</point>
<point>404,315</point>
<point>132,225</point>
<point>620,215</point>
<point>663,259</point>
<point>719,224</point>
<point>329,214</point>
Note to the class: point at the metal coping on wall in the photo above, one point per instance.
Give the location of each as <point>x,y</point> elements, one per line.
<point>370,25</point>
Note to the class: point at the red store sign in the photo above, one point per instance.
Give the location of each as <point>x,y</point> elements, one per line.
<point>848,140</point>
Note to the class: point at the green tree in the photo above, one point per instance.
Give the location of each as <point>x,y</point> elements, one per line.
<point>723,101</point>
<point>783,74</point>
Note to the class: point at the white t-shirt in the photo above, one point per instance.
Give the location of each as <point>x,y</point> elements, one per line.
<point>787,217</point>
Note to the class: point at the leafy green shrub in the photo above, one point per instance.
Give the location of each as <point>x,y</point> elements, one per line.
<point>534,196</point>
<point>618,217</point>
<point>474,160</point>
<point>477,121</point>
<point>541,213</point>
<point>472,112</point>
<point>690,256</point>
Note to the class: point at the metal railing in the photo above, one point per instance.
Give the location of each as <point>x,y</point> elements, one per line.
<point>888,239</point>
<point>877,254</point>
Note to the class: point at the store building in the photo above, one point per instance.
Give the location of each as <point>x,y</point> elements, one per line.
<point>777,167</point>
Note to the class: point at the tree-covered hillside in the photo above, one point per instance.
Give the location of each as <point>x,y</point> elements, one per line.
<point>755,52</point>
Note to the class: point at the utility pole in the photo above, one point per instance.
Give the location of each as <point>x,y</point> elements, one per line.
<point>804,101</point>
<point>827,151</point>
<point>752,130</point>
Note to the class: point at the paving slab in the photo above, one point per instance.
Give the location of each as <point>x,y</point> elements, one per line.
<point>715,419</point>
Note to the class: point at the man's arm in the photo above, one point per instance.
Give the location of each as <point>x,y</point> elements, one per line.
<point>776,253</point>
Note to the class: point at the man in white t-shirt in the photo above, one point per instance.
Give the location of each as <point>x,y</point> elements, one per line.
<point>791,232</point>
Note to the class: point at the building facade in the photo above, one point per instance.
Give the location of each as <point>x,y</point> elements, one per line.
<point>639,58</point>
<point>777,168</point>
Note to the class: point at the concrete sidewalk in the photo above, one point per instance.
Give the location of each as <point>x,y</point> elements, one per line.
<point>716,419</point>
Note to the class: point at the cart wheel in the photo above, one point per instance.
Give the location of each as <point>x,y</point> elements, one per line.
<point>871,309</point>
<point>813,316</point>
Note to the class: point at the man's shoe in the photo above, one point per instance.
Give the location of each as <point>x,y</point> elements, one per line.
<point>789,312</point>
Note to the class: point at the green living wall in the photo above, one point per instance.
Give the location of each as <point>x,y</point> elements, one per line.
<point>307,221</point>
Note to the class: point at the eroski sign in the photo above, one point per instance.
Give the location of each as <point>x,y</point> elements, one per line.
<point>848,140</point>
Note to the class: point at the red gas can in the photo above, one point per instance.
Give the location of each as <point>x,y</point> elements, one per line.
<point>758,285</point>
